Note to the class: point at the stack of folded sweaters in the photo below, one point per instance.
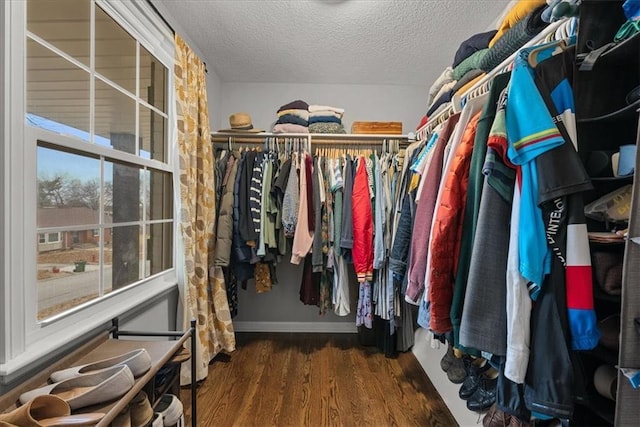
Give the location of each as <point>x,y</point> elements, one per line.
<point>325,119</point>
<point>293,118</point>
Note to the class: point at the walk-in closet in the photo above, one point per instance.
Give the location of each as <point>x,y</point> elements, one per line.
<point>320,213</point>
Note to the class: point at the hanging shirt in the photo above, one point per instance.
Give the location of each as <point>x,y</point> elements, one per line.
<point>562,179</point>
<point>530,132</point>
<point>303,238</point>
<point>446,232</point>
<point>424,213</point>
<point>362,215</point>
<point>291,199</point>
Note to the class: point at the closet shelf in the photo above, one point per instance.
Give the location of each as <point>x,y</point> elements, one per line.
<point>318,138</point>
<point>626,50</point>
<point>623,113</point>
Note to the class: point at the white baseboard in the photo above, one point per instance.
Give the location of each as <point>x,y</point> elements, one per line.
<point>326,327</point>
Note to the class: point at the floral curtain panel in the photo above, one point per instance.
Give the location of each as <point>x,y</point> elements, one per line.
<point>203,290</point>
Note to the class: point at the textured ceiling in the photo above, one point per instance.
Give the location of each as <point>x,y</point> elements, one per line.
<point>405,42</point>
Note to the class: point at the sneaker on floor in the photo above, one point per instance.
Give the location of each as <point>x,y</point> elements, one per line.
<point>170,408</point>
<point>157,421</point>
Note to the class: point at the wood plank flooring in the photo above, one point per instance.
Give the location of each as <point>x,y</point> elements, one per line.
<point>286,379</point>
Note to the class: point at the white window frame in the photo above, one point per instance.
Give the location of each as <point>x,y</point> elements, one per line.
<point>58,238</point>
<point>24,340</point>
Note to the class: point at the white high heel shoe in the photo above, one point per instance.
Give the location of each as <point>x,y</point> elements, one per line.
<point>137,360</point>
<point>88,389</point>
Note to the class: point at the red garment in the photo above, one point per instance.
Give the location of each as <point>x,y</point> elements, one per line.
<point>424,213</point>
<point>362,251</point>
<point>446,233</point>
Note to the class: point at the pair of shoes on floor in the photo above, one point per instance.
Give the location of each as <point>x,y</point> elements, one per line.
<point>47,411</point>
<point>88,389</point>
<point>138,413</point>
<point>170,410</point>
<point>470,384</point>
<point>485,393</point>
<point>497,418</point>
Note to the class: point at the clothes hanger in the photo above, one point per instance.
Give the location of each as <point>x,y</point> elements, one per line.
<point>532,58</point>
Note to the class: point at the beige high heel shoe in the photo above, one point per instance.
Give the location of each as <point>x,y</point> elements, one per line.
<point>47,411</point>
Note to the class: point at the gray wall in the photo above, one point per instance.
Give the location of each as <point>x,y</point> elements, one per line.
<point>262,100</point>
<point>214,95</point>
<point>405,104</point>
<point>282,303</point>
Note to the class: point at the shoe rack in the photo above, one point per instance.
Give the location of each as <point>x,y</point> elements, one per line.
<point>604,73</point>
<point>109,344</point>
<point>161,353</point>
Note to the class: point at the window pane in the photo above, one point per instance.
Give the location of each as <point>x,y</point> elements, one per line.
<point>160,200</point>
<point>68,271</point>
<point>115,52</point>
<point>63,23</point>
<point>159,248</point>
<point>68,188</point>
<point>57,91</point>
<point>124,204</point>
<point>153,80</point>
<point>123,257</point>
<point>153,130</point>
<point>115,118</point>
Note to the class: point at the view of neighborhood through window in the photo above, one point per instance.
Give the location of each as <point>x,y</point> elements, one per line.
<point>103,221</point>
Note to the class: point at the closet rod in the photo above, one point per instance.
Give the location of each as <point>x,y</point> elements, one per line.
<point>421,134</point>
<point>315,138</point>
<point>373,136</point>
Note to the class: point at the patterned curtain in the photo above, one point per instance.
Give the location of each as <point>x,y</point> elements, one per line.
<point>204,296</point>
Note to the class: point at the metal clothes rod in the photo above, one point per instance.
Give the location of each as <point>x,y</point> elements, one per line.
<point>421,134</point>
<point>313,139</point>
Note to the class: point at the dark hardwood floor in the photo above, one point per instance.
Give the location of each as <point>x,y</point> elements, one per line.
<point>287,379</point>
